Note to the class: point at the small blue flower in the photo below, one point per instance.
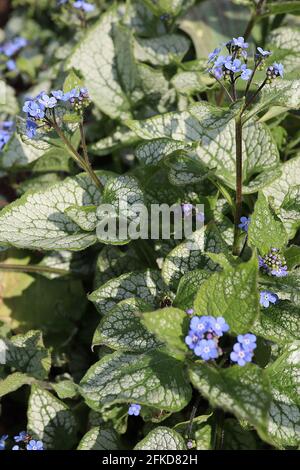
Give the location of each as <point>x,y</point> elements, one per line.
<point>246,73</point>
<point>134,409</point>
<point>192,339</point>
<point>248,341</point>
<point>279,69</point>
<point>34,109</point>
<point>21,436</point>
<point>214,54</point>
<point>206,349</point>
<point>11,65</point>
<point>240,42</point>
<point>219,326</point>
<point>240,355</point>
<point>4,138</point>
<point>244,225</point>
<point>31,128</point>
<point>47,101</point>
<point>273,263</point>
<point>200,325</point>
<point>84,6</point>
<point>221,60</point>
<point>267,297</point>
<point>234,65</point>
<point>16,448</point>
<point>263,53</point>
<point>187,209</point>
<point>218,73</point>
<point>2,441</point>
<point>35,445</point>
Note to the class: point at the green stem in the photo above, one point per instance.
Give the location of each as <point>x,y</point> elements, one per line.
<point>86,158</point>
<point>219,430</point>
<point>254,17</point>
<point>33,268</point>
<point>192,417</point>
<point>239,183</point>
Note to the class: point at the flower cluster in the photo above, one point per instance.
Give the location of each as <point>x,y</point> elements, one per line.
<point>273,263</point>
<point>204,335</point>
<point>134,409</point>
<point>24,442</point>
<point>244,223</point>
<point>6,131</point>
<point>10,49</point>
<point>267,298</point>
<point>243,349</point>
<point>234,65</point>
<point>39,110</point>
<point>86,7</point>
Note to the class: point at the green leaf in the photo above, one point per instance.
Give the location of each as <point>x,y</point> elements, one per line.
<point>232,294</point>
<point>27,354</point>
<point>169,325</point>
<point>152,379</point>
<point>122,329</point>
<point>120,138</point>
<point>72,81</point>
<point>99,69</point>
<point>188,287</point>
<point>284,415</point>
<point>237,438</point>
<point>147,286</point>
<point>243,391</point>
<point>13,382</point>
<point>162,438</point>
<point>266,230</point>
<point>50,420</point>
<point>84,216</point>
<point>8,101</point>
<point>289,284</point>
<point>37,219</point>
<point>292,256</point>
<point>126,65</point>
<point>162,50</point>
<point>279,323</point>
<point>278,8</point>
<point>100,439</point>
<point>65,389</point>
<point>18,153</point>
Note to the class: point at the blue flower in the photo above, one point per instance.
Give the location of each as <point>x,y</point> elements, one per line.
<point>2,441</point>
<point>11,48</point>
<point>221,60</point>
<point>214,54</point>
<point>267,297</point>
<point>279,69</point>
<point>248,341</point>
<point>219,326</point>
<point>244,225</point>
<point>200,325</point>
<point>240,42</point>
<point>240,355</point>
<point>31,129</point>
<point>11,65</point>
<point>234,65</point>
<point>4,138</point>
<point>35,445</point>
<point>134,409</point>
<point>263,53</point>
<point>60,95</point>
<point>273,263</point>
<point>218,72</point>
<point>16,448</point>
<point>206,349</point>
<point>34,109</point>
<point>246,73</point>
<point>187,209</point>
<point>192,339</point>
<point>21,436</point>
<point>47,101</point>
<point>84,6</point>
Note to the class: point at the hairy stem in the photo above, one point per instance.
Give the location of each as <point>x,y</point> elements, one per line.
<point>192,417</point>
<point>254,17</point>
<point>86,158</point>
<point>33,268</point>
<point>239,183</point>
<point>219,430</point>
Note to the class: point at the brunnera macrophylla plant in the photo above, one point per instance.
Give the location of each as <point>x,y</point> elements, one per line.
<point>162,342</point>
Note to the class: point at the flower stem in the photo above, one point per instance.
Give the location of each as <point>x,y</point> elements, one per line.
<point>239,183</point>
<point>219,430</point>
<point>254,17</point>
<point>86,158</point>
<point>33,268</point>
